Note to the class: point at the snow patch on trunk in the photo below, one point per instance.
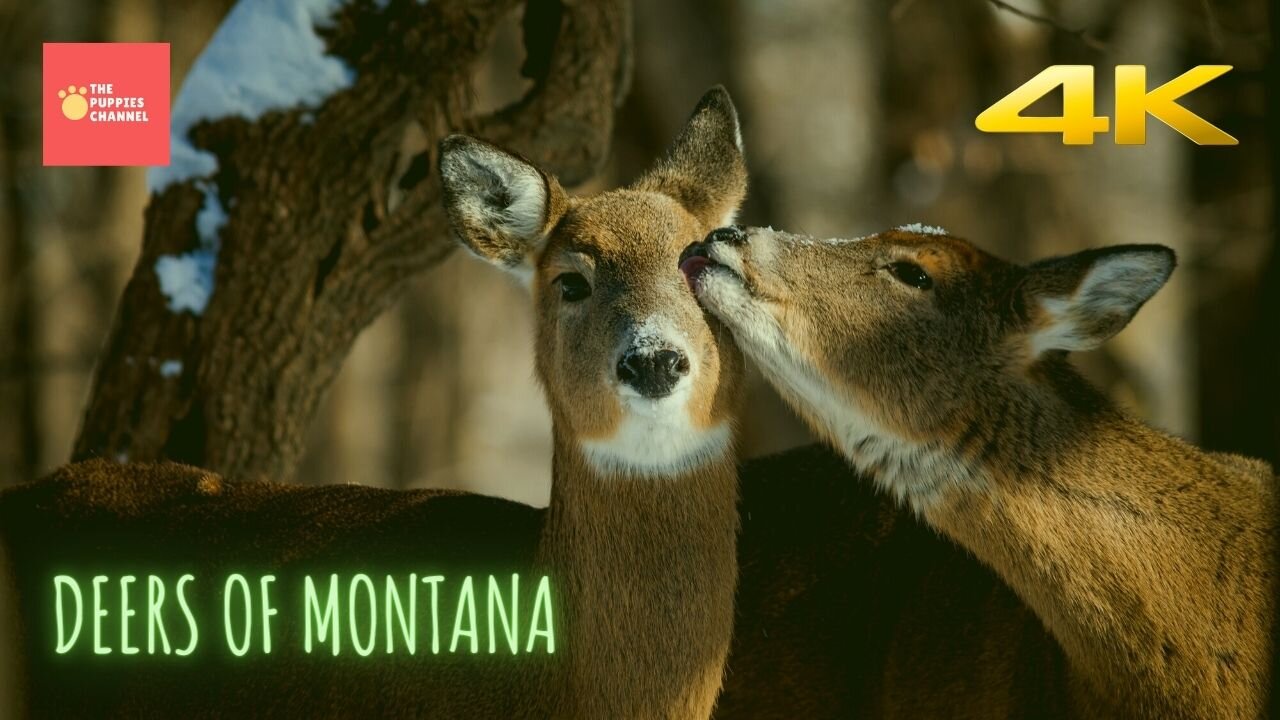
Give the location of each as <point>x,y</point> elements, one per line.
<point>187,280</point>
<point>211,218</point>
<point>264,56</point>
<point>170,368</point>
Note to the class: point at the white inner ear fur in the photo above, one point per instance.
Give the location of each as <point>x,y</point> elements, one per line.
<point>658,438</point>
<point>732,215</point>
<point>527,212</point>
<point>915,473</point>
<point>496,176</point>
<point>1116,285</point>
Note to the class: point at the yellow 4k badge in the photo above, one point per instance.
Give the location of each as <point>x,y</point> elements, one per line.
<point>1134,102</point>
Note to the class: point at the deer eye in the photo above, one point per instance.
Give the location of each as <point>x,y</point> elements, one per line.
<point>911,274</point>
<point>573,287</point>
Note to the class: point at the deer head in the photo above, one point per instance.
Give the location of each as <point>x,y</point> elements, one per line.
<point>635,375</point>
<point>904,347</point>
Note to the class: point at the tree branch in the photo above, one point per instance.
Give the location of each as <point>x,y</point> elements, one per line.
<point>1084,36</point>
<point>323,225</point>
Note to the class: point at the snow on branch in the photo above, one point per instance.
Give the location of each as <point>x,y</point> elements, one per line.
<point>264,56</point>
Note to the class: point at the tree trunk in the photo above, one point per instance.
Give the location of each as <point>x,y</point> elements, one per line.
<point>325,222</point>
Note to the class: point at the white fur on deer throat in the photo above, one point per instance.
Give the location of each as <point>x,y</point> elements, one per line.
<point>657,437</point>
<point>915,473</point>
<point>657,441</point>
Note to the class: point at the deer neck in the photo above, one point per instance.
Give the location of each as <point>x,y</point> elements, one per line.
<point>647,569</point>
<point>1111,531</point>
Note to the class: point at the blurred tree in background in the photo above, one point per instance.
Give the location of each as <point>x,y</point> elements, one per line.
<point>857,116</point>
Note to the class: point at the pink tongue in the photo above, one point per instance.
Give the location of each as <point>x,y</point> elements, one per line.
<point>692,267</point>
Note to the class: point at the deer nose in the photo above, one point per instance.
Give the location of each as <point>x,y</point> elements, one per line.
<point>731,235</point>
<point>651,373</point>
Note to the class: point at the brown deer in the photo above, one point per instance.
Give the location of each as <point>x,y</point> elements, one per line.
<point>643,394</point>
<point>940,372</point>
<point>638,540</point>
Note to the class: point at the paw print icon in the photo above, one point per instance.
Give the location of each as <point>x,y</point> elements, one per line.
<point>74,104</point>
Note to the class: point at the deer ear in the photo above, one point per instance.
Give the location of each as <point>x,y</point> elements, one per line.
<point>500,205</point>
<point>704,169</point>
<point>1079,301</point>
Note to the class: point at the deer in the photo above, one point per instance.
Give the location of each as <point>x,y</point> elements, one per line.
<point>941,374</point>
<point>644,395</point>
<point>638,541</point>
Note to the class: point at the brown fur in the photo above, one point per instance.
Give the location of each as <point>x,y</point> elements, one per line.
<point>1149,560</point>
<point>653,615</point>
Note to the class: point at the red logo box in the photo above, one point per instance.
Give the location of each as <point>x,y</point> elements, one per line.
<point>106,103</point>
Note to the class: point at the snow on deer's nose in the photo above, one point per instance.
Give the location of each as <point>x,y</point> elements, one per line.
<point>654,362</point>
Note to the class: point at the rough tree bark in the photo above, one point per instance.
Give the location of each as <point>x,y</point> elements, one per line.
<point>326,222</point>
